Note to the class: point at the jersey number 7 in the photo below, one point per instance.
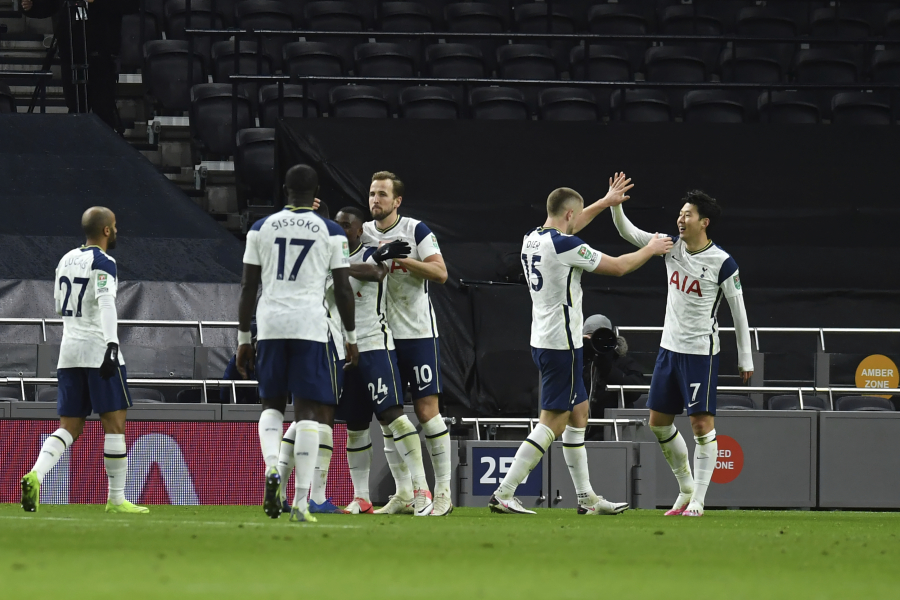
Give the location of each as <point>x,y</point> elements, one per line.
<point>64,281</point>
<point>282,244</point>
<point>534,276</point>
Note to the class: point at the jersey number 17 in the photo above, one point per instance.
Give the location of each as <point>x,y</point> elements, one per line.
<point>282,244</point>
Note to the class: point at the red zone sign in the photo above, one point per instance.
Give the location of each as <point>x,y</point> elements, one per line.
<point>168,463</point>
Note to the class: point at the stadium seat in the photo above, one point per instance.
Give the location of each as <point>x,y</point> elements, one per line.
<point>734,402</point>
<point>250,62</point>
<point>864,403</point>
<point>567,104</point>
<point>641,401</point>
<point>10,399</point>
<point>621,20</point>
<point>750,65</point>
<point>788,107</point>
<point>211,117</point>
<point>640,106</point>
<point>674,64</point>
<point>498,103</point>
<point>292,104</point>
<point>825,65</point>
<point>157,8</point>
<point>456,61</point>
<point>131,57</point>
<point>47,394</point>
<point>526,61</point>
<point>361,101</point>
<point>535,17</point>
<point>692,20</point>
<point>7,100</point>
<point>330,15</point>
<point>380,59</point>
<point>166,72</point>
<point>477,17</point>
<point>792,402</point>
<point>193,396</point>
<point>145,395</point>
<point>604,63</point>
<point>302,59</point>
<point>428,102</point>
<point>254,167</point>
<point>406,17</point>
<point>725,11</point>
<point>892,24</point>
<point>861,108</point>
<point>768,22</point>
<point>713,106</point>
<point>202,17</point>
<point>840,23</point>
<point>886,66</point>
<point>266,14</point>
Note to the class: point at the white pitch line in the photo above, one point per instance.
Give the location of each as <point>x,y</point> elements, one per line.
<point>178,522</point>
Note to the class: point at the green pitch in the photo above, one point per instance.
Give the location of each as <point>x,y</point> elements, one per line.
<point>236,552</point>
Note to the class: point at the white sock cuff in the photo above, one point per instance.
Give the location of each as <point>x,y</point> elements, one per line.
<point>664,433</point>
<point>573,436</point>
<point>543,436</point>
<point>402,427</point>
<point>326,436</point>
<point>64,436</point>
<point>291,433</point>
<point>271,413</point>
<point>114,445</point>
<point>386,431</point>
<point>307,427</point>
<point>706,439</point>
<point>434,427</point>
<point>358,440</point>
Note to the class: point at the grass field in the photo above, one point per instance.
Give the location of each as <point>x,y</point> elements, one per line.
<point>235,552</point>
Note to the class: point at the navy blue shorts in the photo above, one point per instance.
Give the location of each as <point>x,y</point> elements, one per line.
<point>82,391</point>
<point>300,367</point>
<point>562,385</point>
<point>338,365</point>
<point>420,366</point>
<point>371,388</point>
<point>684,381</point>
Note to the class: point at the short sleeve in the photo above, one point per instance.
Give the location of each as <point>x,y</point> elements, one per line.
<point>339,257</point>
<point>251,251</point>
<point>426,242</point>
<point>573,252</point>
<point>730,278</point>
<point>103,276</point>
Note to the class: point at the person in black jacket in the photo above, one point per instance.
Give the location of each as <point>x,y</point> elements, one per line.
<point>102,32</point>
<point>606,361</point>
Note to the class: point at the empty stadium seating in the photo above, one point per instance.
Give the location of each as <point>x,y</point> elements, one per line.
<point>428,102</point>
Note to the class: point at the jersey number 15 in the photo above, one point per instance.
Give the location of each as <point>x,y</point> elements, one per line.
<point>282,244</point>
<point>64,281</point>
<point>535,279</point>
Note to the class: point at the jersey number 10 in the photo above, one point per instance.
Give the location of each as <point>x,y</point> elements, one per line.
<point>282,244</point>
<point>64,281</point>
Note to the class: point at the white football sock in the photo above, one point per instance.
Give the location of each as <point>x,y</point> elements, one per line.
<point>286,457</point>
<point>705,454</point>
<point>323,462</point>
<point>53,448</point>
<point>527,457</point>
<point>437,438</point>
<point>115,459</point>
<point>306,447</point>
<point>408,444</point>
<point>576,460</point>
<point>359,459</point>
<point>271,424</point>
<point>675,450</point>
<point>397,465</point>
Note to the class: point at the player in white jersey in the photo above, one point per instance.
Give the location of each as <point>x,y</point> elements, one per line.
<point>291,252</point>
<point>700,273</point>
<point>553,260</point>
<point>412,321</point>
<point>91,371</point>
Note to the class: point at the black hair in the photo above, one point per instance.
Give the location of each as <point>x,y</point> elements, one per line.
<point>301,181</point>
<point>323,211</point>
<point>355,211</point>
<point>707,207</point>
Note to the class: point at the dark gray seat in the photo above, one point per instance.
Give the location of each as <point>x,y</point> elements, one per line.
<point>498,103</point>
<point>713,106</point>
<point>794,108</point>
<point>145,395</point>
<point>428,102</point>
<point>292,104</point>
<point>792,402</point>
<point>640,106</point>
<point>567,104</point>
<point>254,167</point>
<point>211,116</point>
<point>734,402</point>
<point>303,59</point>
<point>863,403</point>
<point>166,72</point>
<point>359,101</point>
<point>861,108</point>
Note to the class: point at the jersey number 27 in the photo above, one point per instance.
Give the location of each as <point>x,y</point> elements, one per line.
<point>64,281</point>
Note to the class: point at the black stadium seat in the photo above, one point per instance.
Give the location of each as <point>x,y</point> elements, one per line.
<point>7,101</point>
<point>674,64</point>
<point>145,394</point>
<point>166,71</point>
<point>360,101</point>
<point>428,102</point>
<point>750,65</point>
<point>536,17</point>
<point>792,402</point>
<point>840,23</point>
<point>640,106</point>
<point>477,17</point>
<point>825,65</point>
<point>713,106</point>
<point>768,22</point>
<point>892,24</point>
<point>303,59</point>
<point>788,107</point>
<point>211,117</point>
<point>254,167</point>
<point>457,61</point>
<point>498,103</point>
<point>691,20</point>
<point>861,108</point>
<point>567,104</point>
<point>292,104</point>
<point>526,61</point>
<point>604,63</point>
<point>863,403</point>
<point>250,62</point>
<point>886,66</point>
<point>266,14</point>
<point>202,17</point>
<point>381,59</point>
<point>406,17</point>
<point>733,402</point>
<point>131,55</point>
<point>621,20</point>
<point>329,15</point>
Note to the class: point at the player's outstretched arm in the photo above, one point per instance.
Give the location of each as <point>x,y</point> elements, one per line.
<point>246,306</point>
<point>617,266</point>
<point>432,268</point>
<point>343,298</point>
<point>742,333</point>
<point>627,230</point>
<point>618,186</point>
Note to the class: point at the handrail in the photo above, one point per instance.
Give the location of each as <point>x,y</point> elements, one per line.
<point>201,383</point>
<point>479,421</point>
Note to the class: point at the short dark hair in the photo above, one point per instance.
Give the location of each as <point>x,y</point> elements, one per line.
<point>399,188</point>
<point>356,212</point>
<point>707,207</point>
<point>301,181</point>
<point>559,197</point>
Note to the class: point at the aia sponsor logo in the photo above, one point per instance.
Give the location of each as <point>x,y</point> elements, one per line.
<point>685,284</point>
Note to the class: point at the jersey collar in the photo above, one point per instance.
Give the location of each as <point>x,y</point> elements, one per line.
<point>704,248</point>
<point>91,246</point>
<point>297,208</point>
<point>386,229</point>
<point>358,248</point>
<point>542,229</point>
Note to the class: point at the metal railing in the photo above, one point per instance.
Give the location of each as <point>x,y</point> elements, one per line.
<point>530,423</point>
<point>40,82</point>
<point>203,384</point>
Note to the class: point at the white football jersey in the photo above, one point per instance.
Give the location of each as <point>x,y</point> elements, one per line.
<point>334,318</point>
<point>82,277</point>
<point>372,331</point>
<point>553,263</point>
<point>409,309</point>
<point>295,249</point>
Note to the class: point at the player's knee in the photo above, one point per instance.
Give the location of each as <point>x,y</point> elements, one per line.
<point>426,408</point>
<point>73,426</point>
<point>390,415</point>
<point>702,424</point>
<point>278,403</point>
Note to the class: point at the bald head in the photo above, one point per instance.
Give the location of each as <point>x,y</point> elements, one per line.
<point>301,184</point>
<point>94,223</point>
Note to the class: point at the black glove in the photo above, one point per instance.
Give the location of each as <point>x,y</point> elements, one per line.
<point>110,361</point>
<point>396,249</point>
